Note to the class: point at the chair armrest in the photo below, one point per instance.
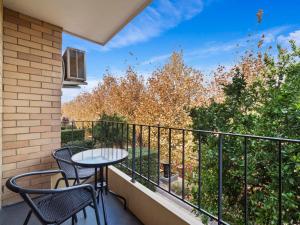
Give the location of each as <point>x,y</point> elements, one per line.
<point>61,190</point>
<point>12,182</point>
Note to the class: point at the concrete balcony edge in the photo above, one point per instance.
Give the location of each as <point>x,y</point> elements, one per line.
<point>146,205</point>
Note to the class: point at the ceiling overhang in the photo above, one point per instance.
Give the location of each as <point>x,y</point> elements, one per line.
<point>95,20</point>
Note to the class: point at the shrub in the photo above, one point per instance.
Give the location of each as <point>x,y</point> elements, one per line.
<point>144,166</point>
<point>107,133</point>
<point>83,143</point>
<point>66,136</point>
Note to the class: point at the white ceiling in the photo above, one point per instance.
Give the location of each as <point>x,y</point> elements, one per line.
<point>95,20</point>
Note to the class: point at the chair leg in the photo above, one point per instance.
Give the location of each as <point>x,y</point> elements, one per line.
<point>27,218</point>
<point>73,220</point>
<point>96,213</point>
<point>103,208</point>
<point>84,213</point>
<point>57,182</point>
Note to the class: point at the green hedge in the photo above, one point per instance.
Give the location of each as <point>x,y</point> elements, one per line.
<point>83,143</point>
<point>66,135</point>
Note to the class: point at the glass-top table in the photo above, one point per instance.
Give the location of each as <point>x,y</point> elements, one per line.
<point>96,158</point>
<point>99,158</point>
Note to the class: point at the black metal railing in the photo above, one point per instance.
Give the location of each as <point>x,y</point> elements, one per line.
<point>185,152</point>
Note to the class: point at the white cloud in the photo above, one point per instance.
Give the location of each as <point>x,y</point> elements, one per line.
<point>161,16</point>
<point>217,48</point>
<point>284,39</point>
<point>156,59</point>
<point>233,45</point>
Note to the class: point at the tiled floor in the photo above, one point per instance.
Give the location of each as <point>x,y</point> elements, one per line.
<point>116,214</point>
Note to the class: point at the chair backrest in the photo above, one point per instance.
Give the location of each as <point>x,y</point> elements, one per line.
<point>27,192</point>
<point>63,159</point>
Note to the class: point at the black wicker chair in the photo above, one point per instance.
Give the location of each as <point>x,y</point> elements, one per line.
<point>63,159</point>
<point>54,206</point>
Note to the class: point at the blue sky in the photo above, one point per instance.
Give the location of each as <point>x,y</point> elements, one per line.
<point>209,32</point>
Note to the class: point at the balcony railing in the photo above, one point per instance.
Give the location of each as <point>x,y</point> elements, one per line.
<point>159,155</point>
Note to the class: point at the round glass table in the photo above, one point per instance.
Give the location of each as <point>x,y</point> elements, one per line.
<point>98,159</point>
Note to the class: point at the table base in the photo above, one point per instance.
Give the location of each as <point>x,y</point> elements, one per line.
<point>102,186</point>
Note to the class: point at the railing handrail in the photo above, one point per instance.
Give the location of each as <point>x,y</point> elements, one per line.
<point>282,139</point>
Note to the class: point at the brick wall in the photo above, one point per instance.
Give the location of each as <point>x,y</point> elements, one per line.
<point>31,97</point>
<point>1,76</point>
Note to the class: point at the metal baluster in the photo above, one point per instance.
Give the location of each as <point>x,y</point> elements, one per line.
<point>93,132</point>
<point>149,144</point>
<point>158,154</point>
<point>279,184</point>
<point>170,159</point>
<point>122,134</point>
<point>127,143</point>
<point>106,134</point>
<point>183,164</point>
<point>118,134</point>
<point>199,170</point>
<point>245,181</point>
<point>220,183</point>
<point>72,131</point>
<point>103,135</point>
<point>133,152</point>
<point>141,146</point>
<point>83,128</point>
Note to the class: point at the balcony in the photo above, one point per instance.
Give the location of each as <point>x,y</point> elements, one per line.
<point>155,182</point>
<point>161,167</point>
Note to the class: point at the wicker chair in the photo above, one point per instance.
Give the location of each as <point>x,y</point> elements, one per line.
<point>63,159</point>
<point>54,206</point>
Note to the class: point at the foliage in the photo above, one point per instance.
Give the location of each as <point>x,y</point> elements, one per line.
<point>165,98</point>
<point>268,106</point>
<point>141,166</point>
<point>81,143</point>
<point>108,130</point>
<point>258,96</point>
<point>72,135</point>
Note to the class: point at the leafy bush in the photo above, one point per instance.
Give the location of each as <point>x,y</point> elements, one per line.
<point>268,106</point>
<point>81,143</point>
<point>143,170</point>
<point>107,133</point>
<point>66,135</point>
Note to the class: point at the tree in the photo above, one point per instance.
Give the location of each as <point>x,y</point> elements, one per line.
<point>267,105</point>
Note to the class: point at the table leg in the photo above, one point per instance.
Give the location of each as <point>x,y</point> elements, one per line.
<point>101,192</point>
<point>106,177</point>
<point>96,186</point>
